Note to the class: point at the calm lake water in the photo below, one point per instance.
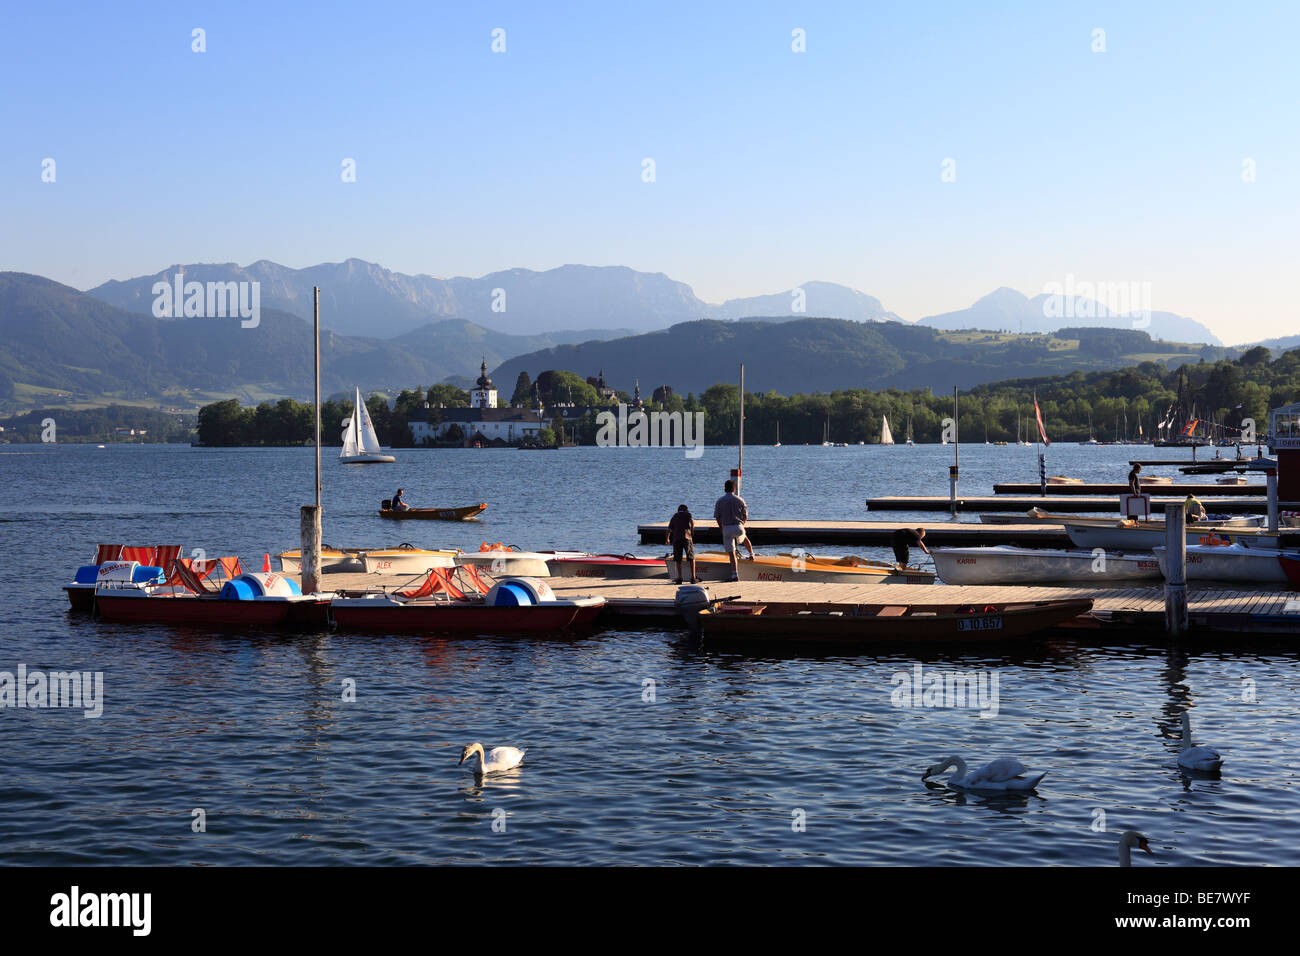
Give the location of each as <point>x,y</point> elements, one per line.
<point>747,758</point>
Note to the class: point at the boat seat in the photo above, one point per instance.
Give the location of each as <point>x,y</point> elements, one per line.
<point>892,611</point>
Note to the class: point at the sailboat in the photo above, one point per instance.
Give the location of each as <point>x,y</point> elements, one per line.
<point>1092,439</point>
<point>778,434</point>
<point>909,431</point>
<point>360,443</point>
<point>826,435</point>
<point>886,436</point>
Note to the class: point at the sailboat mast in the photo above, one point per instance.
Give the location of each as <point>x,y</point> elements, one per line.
<point>740,463</point>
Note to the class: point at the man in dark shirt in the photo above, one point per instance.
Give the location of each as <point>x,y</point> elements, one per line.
<point>681,535</point>
<point>398,504</point>
<point>903,540</point>
<point>1134,486</point>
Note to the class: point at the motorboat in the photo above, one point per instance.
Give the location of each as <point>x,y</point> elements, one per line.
<point>333,561</point>
<point>1128,535</point>
<point>798,624</point>
<point>1233,563</point>
<point>500,560</point>
<point>464,513</point>
<point>1011,565</point>
<point>449,602</point>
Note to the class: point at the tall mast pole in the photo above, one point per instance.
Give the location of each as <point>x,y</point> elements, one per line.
<point>316,338</point>
<point>740,463</point>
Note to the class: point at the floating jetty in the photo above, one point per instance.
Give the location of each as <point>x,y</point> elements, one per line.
<point>1029,534</point>
<point>1120,609</point>
<point>1058,503</point>
<point>1200,490</point>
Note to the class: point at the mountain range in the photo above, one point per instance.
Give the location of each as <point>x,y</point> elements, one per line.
<point>363,298</point>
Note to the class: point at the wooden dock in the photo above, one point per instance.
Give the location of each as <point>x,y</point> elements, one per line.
<point>1035,534</point>
<point>1061,503</point>
<point>1181,489</point>
<point>1118,608</point>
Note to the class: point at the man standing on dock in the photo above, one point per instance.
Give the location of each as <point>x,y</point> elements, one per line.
<point>903,539</point>
<point>731,513</point>
<point>1134,485</point>
<point>681,532</point>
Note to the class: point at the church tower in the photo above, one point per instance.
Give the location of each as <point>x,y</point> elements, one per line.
<point>485,395</point>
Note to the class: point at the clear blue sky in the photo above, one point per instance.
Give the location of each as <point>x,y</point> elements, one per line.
<point>773,168</point>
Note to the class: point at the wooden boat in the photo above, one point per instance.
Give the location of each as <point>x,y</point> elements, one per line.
<point>407,559</point>
<point>467,513</point>
<point>443,605</point>
<point>1010,565</point>
<point>1236,522</point>
<point>615,566</point>
<point>1233,563</point>
<point>802,623</point>
<point>1063,480</point>
<point>250,600</point>
<point>715,566</point>
<point>500,560</point>
<point>332,560</point>
<point>360,443</point>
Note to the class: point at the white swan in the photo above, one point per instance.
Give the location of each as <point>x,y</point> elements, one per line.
<point>1204,759</point>
<point>496,760</point>
<point>1127,840</point>
<point>1005,773</point>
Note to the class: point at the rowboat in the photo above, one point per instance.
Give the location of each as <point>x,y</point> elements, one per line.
<point>250,600</point>
<point>802,623</point>
<point>1144,536</point>
<point>466,513</point>
<point>715,566</point>
<point>407,559</point>
<point>511,605</point>
<point>1010,565</point>
<point>617,566</point>
<point>333,561</point>
<point>1233,563</point>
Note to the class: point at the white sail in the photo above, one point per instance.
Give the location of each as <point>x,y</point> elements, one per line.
<point>367,440</point>
<point>349,437</point>
<point>886,436</point>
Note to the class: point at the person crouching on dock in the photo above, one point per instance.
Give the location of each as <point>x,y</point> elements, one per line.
<point>903,540</point>
<point>681,533</point>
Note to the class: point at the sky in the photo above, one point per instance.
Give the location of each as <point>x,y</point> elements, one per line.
<point>923,153</point>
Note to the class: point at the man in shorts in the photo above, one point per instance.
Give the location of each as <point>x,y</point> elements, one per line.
<point>681,533</point>
<point>903,539</point>
<point>731,513</point>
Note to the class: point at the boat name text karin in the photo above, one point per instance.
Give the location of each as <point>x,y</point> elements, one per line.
<point>922,688</point>
<point>642,429</point>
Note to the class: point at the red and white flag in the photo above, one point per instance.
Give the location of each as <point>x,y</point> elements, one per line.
<point>1038,414</point>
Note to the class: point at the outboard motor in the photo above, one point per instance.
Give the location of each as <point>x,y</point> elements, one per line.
<point>386,504</point>
<point>690,600</point>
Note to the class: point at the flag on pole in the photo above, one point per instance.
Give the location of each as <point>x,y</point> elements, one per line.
<point>1038,414</point>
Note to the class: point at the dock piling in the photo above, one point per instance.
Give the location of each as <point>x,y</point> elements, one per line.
<point>310,553</point>
<point>1272,501</point>
<point>1176,571</point>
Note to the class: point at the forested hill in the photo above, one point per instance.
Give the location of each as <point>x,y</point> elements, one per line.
<point>816,354</point>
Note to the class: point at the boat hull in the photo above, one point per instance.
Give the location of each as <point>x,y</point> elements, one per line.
<point>1008,565</point>
<point>797,625</point>
<point>407,561</point>
<point>365,459</point>
<point>466,618</point>
<point>715,566</point>
<point>466,513</point>
<point>212,611</point>
<point>523,564</point>
<point>332,562</point>
<point>1233,563</point>
<point>609,566</point>
<point>1138,538</point>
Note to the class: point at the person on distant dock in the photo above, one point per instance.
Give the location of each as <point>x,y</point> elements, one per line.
<point>1134,485</point>
<point>398,503</point>
<point>903,539</point>
<point>681,534</point>
<point>1193,509</point>
<point>731,513</point>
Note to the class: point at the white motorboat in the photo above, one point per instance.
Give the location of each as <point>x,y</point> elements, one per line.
<point>1232,563</point>
<point>1011,565</point>
<point>501,562</point>
<point>360,443</point>
<point>1144,536</point>
<point>333,561</point>
<point>407,560</point>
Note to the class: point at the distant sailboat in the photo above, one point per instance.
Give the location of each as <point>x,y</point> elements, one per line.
<point>886,436</point>
<point>360,443</point>
<point>909,431</point>
<point>826,435</point>
<point>778,434</point>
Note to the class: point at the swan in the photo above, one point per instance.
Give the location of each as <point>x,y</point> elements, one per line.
<point>1005,773</point>
<point>1129,839</point>
<point>496,760</point>
<point>1205,759</point>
